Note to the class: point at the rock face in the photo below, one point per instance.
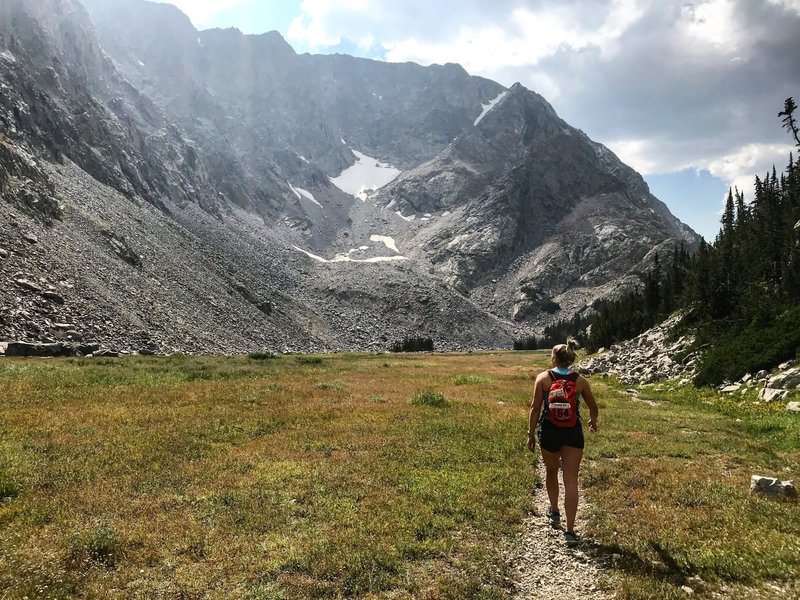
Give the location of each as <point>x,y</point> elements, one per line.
<point>164,189</point>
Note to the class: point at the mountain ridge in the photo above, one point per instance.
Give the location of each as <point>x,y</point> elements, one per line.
<point>472,242</point>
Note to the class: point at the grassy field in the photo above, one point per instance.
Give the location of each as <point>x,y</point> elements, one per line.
<point>367,476</point>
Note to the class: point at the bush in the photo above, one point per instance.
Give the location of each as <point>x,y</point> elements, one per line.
<point>309,360</point>
<point>8,489</point>
<point>470,379</point>
<point>101,546</point>
<point>261,355</point>
<point>526,343</point>
<point>429,398</point>
<point>756,347</point>
<point>414,344</point>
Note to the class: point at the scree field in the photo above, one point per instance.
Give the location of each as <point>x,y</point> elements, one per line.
<point>367,476</point>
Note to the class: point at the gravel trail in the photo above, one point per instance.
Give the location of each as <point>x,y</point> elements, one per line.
<point>545,568</point>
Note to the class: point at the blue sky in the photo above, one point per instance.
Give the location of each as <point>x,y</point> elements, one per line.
<point>687,93</point>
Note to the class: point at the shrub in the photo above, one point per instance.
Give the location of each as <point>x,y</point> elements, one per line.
<point>8,489</point>
<point>526,343</point>
<point>330,385</point>
<point>470,379</point>
<point>309,360</point>
<point>756,347</point>
<point>101,546</point>
<point>261,355</point>
<point>414,344</point>
<point>429,398</point>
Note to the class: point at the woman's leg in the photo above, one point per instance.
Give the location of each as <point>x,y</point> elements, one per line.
<point>551,462</point>
<point>570,464</point>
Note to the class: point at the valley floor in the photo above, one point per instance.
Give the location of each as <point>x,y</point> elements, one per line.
<point>375,476</point>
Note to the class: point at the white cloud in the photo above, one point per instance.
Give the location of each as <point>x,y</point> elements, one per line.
<point>712,22</point>
<point>740,167</point>
<point>636,153</point>
<point>793,5</point>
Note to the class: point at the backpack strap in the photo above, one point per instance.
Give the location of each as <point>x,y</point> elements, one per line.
<point>571,376</point>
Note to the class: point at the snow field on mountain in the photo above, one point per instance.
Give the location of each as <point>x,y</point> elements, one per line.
<point>346,258</point>
<point>301,193</point>
<point>365,175</point>
<point>489,106</point>
<point>386,240</point>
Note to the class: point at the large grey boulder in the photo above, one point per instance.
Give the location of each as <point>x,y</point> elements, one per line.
<point>771,487</point>
<point>39,349</point>
<point>786,380</point>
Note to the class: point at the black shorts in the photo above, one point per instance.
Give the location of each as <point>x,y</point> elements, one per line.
<point>553,438</point>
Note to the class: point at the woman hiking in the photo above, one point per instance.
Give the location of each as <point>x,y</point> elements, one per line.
<point>554,416</point>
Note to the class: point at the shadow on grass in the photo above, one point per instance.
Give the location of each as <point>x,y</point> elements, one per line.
<point>666,570</point>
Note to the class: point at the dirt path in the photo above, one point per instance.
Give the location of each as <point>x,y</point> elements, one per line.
<point>545,568</point>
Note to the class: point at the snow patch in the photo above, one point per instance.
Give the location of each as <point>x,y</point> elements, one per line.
<point>409,219</point>
<point>141,64</point>
<point>488,107</point>
<point>345,258</point>
<point>389,242</point>
<point>8,57</point>
<point>301,157</point>
<point>391,205</point>
<point>365,175</point>
<point>300,192</point>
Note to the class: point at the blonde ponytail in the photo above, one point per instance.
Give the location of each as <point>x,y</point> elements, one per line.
<point>565,353</point>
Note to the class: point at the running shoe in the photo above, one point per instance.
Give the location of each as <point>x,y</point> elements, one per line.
<point>554,517</point>
<point>571,538</point>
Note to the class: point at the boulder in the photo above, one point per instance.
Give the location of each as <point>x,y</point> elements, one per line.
<point>27,284</point>
<point>793,407</point>
<point>38,349</point>
<point>769,394</point>
<point>87,349</point>
<point>105,353</point>
<point>53,297</point>
<point>786,380</point>
<point>771,487</point>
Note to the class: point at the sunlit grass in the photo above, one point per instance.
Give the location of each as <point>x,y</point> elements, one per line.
<point>245,477</point>
<point>321,477</point>
<point>670,489</point>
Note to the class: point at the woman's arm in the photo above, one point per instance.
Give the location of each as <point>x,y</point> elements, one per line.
<point>586,393</point>
<point>536,409</point>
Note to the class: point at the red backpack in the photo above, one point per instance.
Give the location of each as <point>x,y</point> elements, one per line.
<point>561,407</point>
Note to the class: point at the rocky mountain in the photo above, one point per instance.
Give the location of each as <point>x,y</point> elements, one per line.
<point>167,189</point>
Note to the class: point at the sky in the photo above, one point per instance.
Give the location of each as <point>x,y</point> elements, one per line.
<point>687,93</point>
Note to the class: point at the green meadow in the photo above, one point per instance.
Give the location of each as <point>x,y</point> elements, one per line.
<point>366,476</point>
